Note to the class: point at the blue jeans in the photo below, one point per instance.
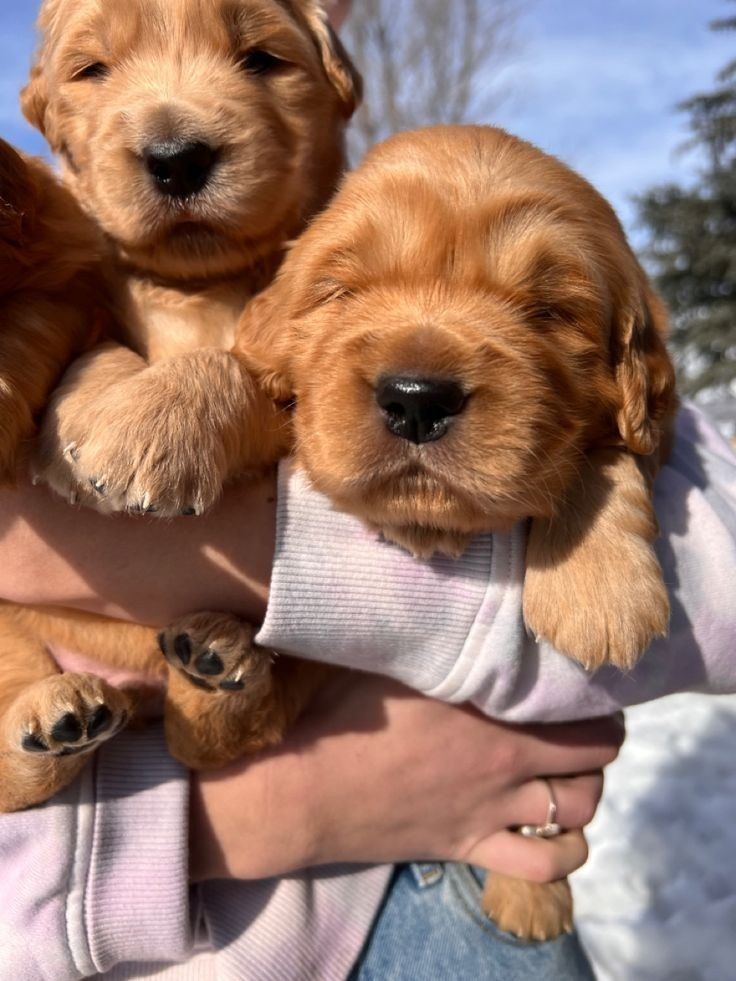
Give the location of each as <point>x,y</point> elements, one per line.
<point>431,928</point>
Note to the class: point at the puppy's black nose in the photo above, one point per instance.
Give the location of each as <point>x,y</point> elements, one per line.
<point>179,169</point>
<point>419,409</point>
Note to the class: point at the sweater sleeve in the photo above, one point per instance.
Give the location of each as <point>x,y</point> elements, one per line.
<point>454,630</point>
<point>98,875</point>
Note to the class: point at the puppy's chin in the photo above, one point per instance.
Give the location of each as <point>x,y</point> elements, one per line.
<point>194,250</point>
<point>418,499</point>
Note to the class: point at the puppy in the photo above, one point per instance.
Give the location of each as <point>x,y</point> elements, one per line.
<point>50,294</point>
<point>470,342</point>
<point>200,136</point>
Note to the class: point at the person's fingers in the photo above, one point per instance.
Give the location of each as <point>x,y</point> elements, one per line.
<point>563,749</point>
<point>535,859</point>
<point>576,797</point>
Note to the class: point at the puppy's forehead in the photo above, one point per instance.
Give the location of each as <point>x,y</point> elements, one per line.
<point>132,24</point>
<point>409,229</point>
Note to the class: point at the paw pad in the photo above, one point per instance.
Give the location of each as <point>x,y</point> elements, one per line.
<point>216,654</point>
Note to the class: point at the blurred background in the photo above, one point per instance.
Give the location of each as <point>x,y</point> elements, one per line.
<point>640,97</point>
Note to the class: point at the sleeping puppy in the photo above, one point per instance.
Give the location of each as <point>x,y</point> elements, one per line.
<point>469,342</point>
<point>200,135</point>
<point>50,294</point>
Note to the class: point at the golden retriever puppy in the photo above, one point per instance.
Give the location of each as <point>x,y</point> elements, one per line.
<point>50,293</point>
<point>470,342</point>
<point>200,135</point>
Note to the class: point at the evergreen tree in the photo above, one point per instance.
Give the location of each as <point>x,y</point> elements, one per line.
<point>692,250</point>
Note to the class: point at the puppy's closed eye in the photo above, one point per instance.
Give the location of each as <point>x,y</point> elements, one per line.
<point>95,71</point>
<point>260,62</point>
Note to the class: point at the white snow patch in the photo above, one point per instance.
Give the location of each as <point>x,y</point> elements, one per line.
<point>657,899</point>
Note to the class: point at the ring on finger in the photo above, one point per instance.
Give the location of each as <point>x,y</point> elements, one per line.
<point>550,828</point>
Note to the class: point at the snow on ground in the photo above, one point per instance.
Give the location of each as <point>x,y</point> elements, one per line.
<point>657,899</point>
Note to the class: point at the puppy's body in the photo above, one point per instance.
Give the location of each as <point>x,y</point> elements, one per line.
<point>199,136</point>
<point>471,342</point>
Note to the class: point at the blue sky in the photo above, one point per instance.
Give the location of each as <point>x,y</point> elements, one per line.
<point>593,81</point>
<point>596,82</point>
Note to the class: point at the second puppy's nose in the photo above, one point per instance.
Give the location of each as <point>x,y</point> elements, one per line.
<point>419,409</point>
<point>179,169</point>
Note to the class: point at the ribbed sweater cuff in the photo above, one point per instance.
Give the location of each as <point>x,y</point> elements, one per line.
<point>340,593</point>
<point>135,904</point>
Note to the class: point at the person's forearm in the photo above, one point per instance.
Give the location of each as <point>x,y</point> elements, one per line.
<point>138,568</point>
<point>98,876</point>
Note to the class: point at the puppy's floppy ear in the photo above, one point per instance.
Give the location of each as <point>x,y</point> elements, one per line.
<point>341,72</point>
<point>34,99</point>
<point>643,370</point>
<point>263,342</point>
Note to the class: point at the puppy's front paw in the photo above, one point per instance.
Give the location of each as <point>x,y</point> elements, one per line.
<point>67,715</point>
<point>598,607</point>
<point>423,542</point>
<point>215,652</point>
<point>135,457</point>
<point>158,439</point>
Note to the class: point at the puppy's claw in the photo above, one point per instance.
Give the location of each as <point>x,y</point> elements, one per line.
<point>100,720</point>
<point>98,485</point>
<point>32,743</point>
<point>232,685</point>
<point>71,452</point>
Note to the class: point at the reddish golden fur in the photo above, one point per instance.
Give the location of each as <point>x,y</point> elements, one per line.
<point>184,268</point>
<point>49,293</point>
<point>163,418</point>
<point>464,253</point>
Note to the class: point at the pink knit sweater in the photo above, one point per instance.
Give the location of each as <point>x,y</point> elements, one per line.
<point>96,880</point>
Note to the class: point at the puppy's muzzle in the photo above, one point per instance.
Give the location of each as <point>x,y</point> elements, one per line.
<point>419,409</point>
<point>179,169</point>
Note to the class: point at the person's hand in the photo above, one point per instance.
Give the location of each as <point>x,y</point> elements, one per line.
<point>375,773</point>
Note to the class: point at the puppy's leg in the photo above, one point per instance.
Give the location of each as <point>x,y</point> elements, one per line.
<point>115,643</point>
<point>49,722</point>
<point>38,340</point>
<point>227,697</point>
<point>530,910</point>
<point>593,584</point>
<point>158,438</point>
